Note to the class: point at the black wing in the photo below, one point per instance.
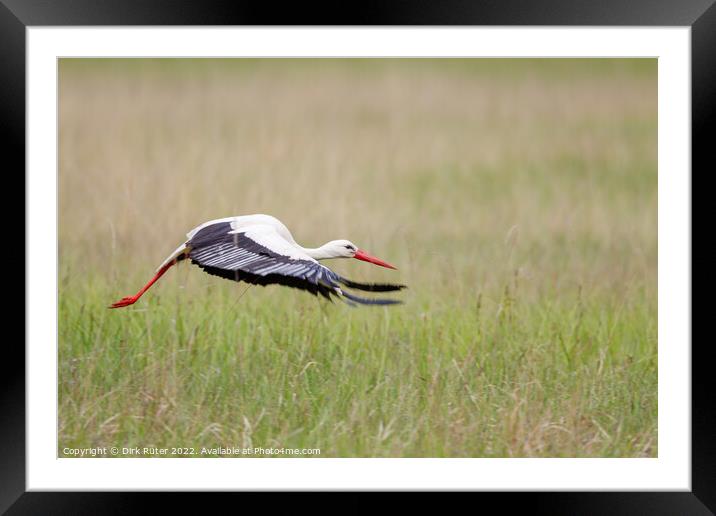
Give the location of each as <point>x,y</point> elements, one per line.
<point>243,257</point>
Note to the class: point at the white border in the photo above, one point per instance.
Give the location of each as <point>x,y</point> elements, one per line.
<point>670,471</point>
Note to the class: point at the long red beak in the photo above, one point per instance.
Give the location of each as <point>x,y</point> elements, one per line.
<point>362,255</point>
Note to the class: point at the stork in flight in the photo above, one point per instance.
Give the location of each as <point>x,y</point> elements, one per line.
<point>259,249</point>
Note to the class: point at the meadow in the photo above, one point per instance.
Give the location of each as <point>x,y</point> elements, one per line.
<point>518,199</point>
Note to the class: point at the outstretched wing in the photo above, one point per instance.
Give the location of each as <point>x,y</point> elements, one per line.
<point>259,255</point>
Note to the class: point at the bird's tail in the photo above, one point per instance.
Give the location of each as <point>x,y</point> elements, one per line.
<point>178,254</point>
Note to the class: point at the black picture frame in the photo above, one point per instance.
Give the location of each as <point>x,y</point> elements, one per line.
<point>17,15</point>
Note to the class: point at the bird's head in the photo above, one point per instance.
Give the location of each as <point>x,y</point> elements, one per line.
<point>347,249</point>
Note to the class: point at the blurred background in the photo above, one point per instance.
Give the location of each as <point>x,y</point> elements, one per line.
<point>449,167</point>
<point>490,183</point>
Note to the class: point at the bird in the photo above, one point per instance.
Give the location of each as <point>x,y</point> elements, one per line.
<point>260,250</point>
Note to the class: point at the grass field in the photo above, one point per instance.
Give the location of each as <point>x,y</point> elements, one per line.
<point>518,198</point>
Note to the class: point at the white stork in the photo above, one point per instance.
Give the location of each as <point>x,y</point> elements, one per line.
<point>260,250</point>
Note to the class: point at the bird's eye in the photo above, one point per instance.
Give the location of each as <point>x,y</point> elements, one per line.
<point>350,247</point>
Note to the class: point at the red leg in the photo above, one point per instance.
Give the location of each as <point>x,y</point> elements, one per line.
<point>130,300</point>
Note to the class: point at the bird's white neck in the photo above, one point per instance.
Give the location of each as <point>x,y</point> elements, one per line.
<point>321,253</point>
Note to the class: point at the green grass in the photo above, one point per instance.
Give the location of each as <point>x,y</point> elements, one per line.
<point>517,198</point>
<point>545,379</point>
